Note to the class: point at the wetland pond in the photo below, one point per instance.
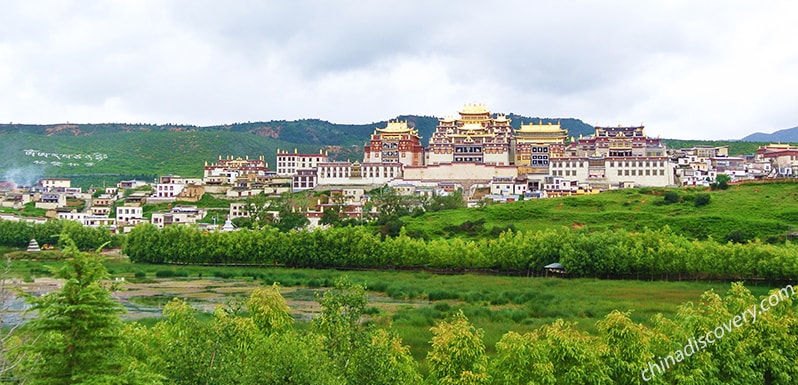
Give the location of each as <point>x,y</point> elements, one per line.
<point>146,299</point>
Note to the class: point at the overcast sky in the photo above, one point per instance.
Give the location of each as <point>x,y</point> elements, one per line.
<point>685,69</point>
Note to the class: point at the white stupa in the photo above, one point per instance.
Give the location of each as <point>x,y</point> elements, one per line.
<point>33,246</point>
<point>228,225</point>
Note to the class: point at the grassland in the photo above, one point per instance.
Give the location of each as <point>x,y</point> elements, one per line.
<point>765,211</point>
<point>411,302</point>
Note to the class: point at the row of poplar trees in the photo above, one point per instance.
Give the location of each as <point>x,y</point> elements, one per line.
<point>658,252</point>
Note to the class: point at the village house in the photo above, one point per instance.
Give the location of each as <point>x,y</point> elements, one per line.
<point>782,157</point>
<point>53,184</point>
<point>179,215</point>
<point>227,170</point>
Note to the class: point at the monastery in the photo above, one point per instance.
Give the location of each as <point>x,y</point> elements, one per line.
<point>480,148</point>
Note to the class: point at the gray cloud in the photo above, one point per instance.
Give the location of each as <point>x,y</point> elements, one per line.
<point>695,70</point>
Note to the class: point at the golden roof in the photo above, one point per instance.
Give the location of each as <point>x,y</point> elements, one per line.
<point>397,127</point>
<point>531,127</point>
<point>474,108</point>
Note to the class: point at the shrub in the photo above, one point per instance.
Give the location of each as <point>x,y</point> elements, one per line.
<point>701,200</point>
<point>738,236</point>
<point>140,274</point>
<point>164,273</point>
<point>671,197</point>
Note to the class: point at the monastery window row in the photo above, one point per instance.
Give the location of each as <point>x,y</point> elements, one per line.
<point>468,149</point>
<point>477,159</point>
<point>648,172</point>
<point>564,172</point>
<point>637,164</point>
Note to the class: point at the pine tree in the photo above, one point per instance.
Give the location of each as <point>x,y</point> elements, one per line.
<point>78,328</point>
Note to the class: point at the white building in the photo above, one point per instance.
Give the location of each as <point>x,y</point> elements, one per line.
<point>345,173</point>
<point>642,171</point>
<point>289,163</point>
<point>180,215</point>
<point>55,184</point>
<point>129,214</point>
<point>167,190</point>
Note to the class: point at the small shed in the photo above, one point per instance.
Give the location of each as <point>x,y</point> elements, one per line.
<point>554,268</point>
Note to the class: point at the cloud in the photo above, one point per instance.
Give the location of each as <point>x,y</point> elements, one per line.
<point>694,70</point>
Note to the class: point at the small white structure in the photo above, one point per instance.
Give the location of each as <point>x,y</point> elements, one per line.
<point>33,246</point>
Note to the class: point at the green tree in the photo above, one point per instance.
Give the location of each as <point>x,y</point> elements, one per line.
<point>77,328</point>
<point>269,310</point>
<point>458,353</point>
<point>445,202</point>
<point>341,309</point>
<point>519,360</point>
<point>721,182</point>
<point>382,360</point>
<point>258,207</point>
<point>627,348</point>
<point>331,216</point>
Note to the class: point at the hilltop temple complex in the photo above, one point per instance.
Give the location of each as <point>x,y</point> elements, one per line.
<point>479,148</point>
<point>396,143</point>
<point>476,137</point>
<point>476,148</point>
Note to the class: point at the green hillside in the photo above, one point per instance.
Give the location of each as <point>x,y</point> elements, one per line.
<point>735,147</point>
<point>127,155</point>
<point>764,211</point>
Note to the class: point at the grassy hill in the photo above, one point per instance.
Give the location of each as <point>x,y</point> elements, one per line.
<point>764,211</point>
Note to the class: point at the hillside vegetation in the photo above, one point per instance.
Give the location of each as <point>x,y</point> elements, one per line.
<point>744,212</point>
<point>736,148</point>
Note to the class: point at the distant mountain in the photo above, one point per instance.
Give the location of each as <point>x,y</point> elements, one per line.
<point>786,135</point>
<point>303,132</point>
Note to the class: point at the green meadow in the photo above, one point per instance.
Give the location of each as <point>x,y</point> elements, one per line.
<point>767,211</point>
<point>410,302</point>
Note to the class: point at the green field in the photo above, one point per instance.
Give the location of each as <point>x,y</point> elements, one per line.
<point>764,211</point>
<point>412,302</point>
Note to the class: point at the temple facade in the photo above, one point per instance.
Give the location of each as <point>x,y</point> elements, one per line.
<point>615,156</point>
<point>475,137</point>
<point>618,141</point>
<point>535,145</point>
<point>396,143</point>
